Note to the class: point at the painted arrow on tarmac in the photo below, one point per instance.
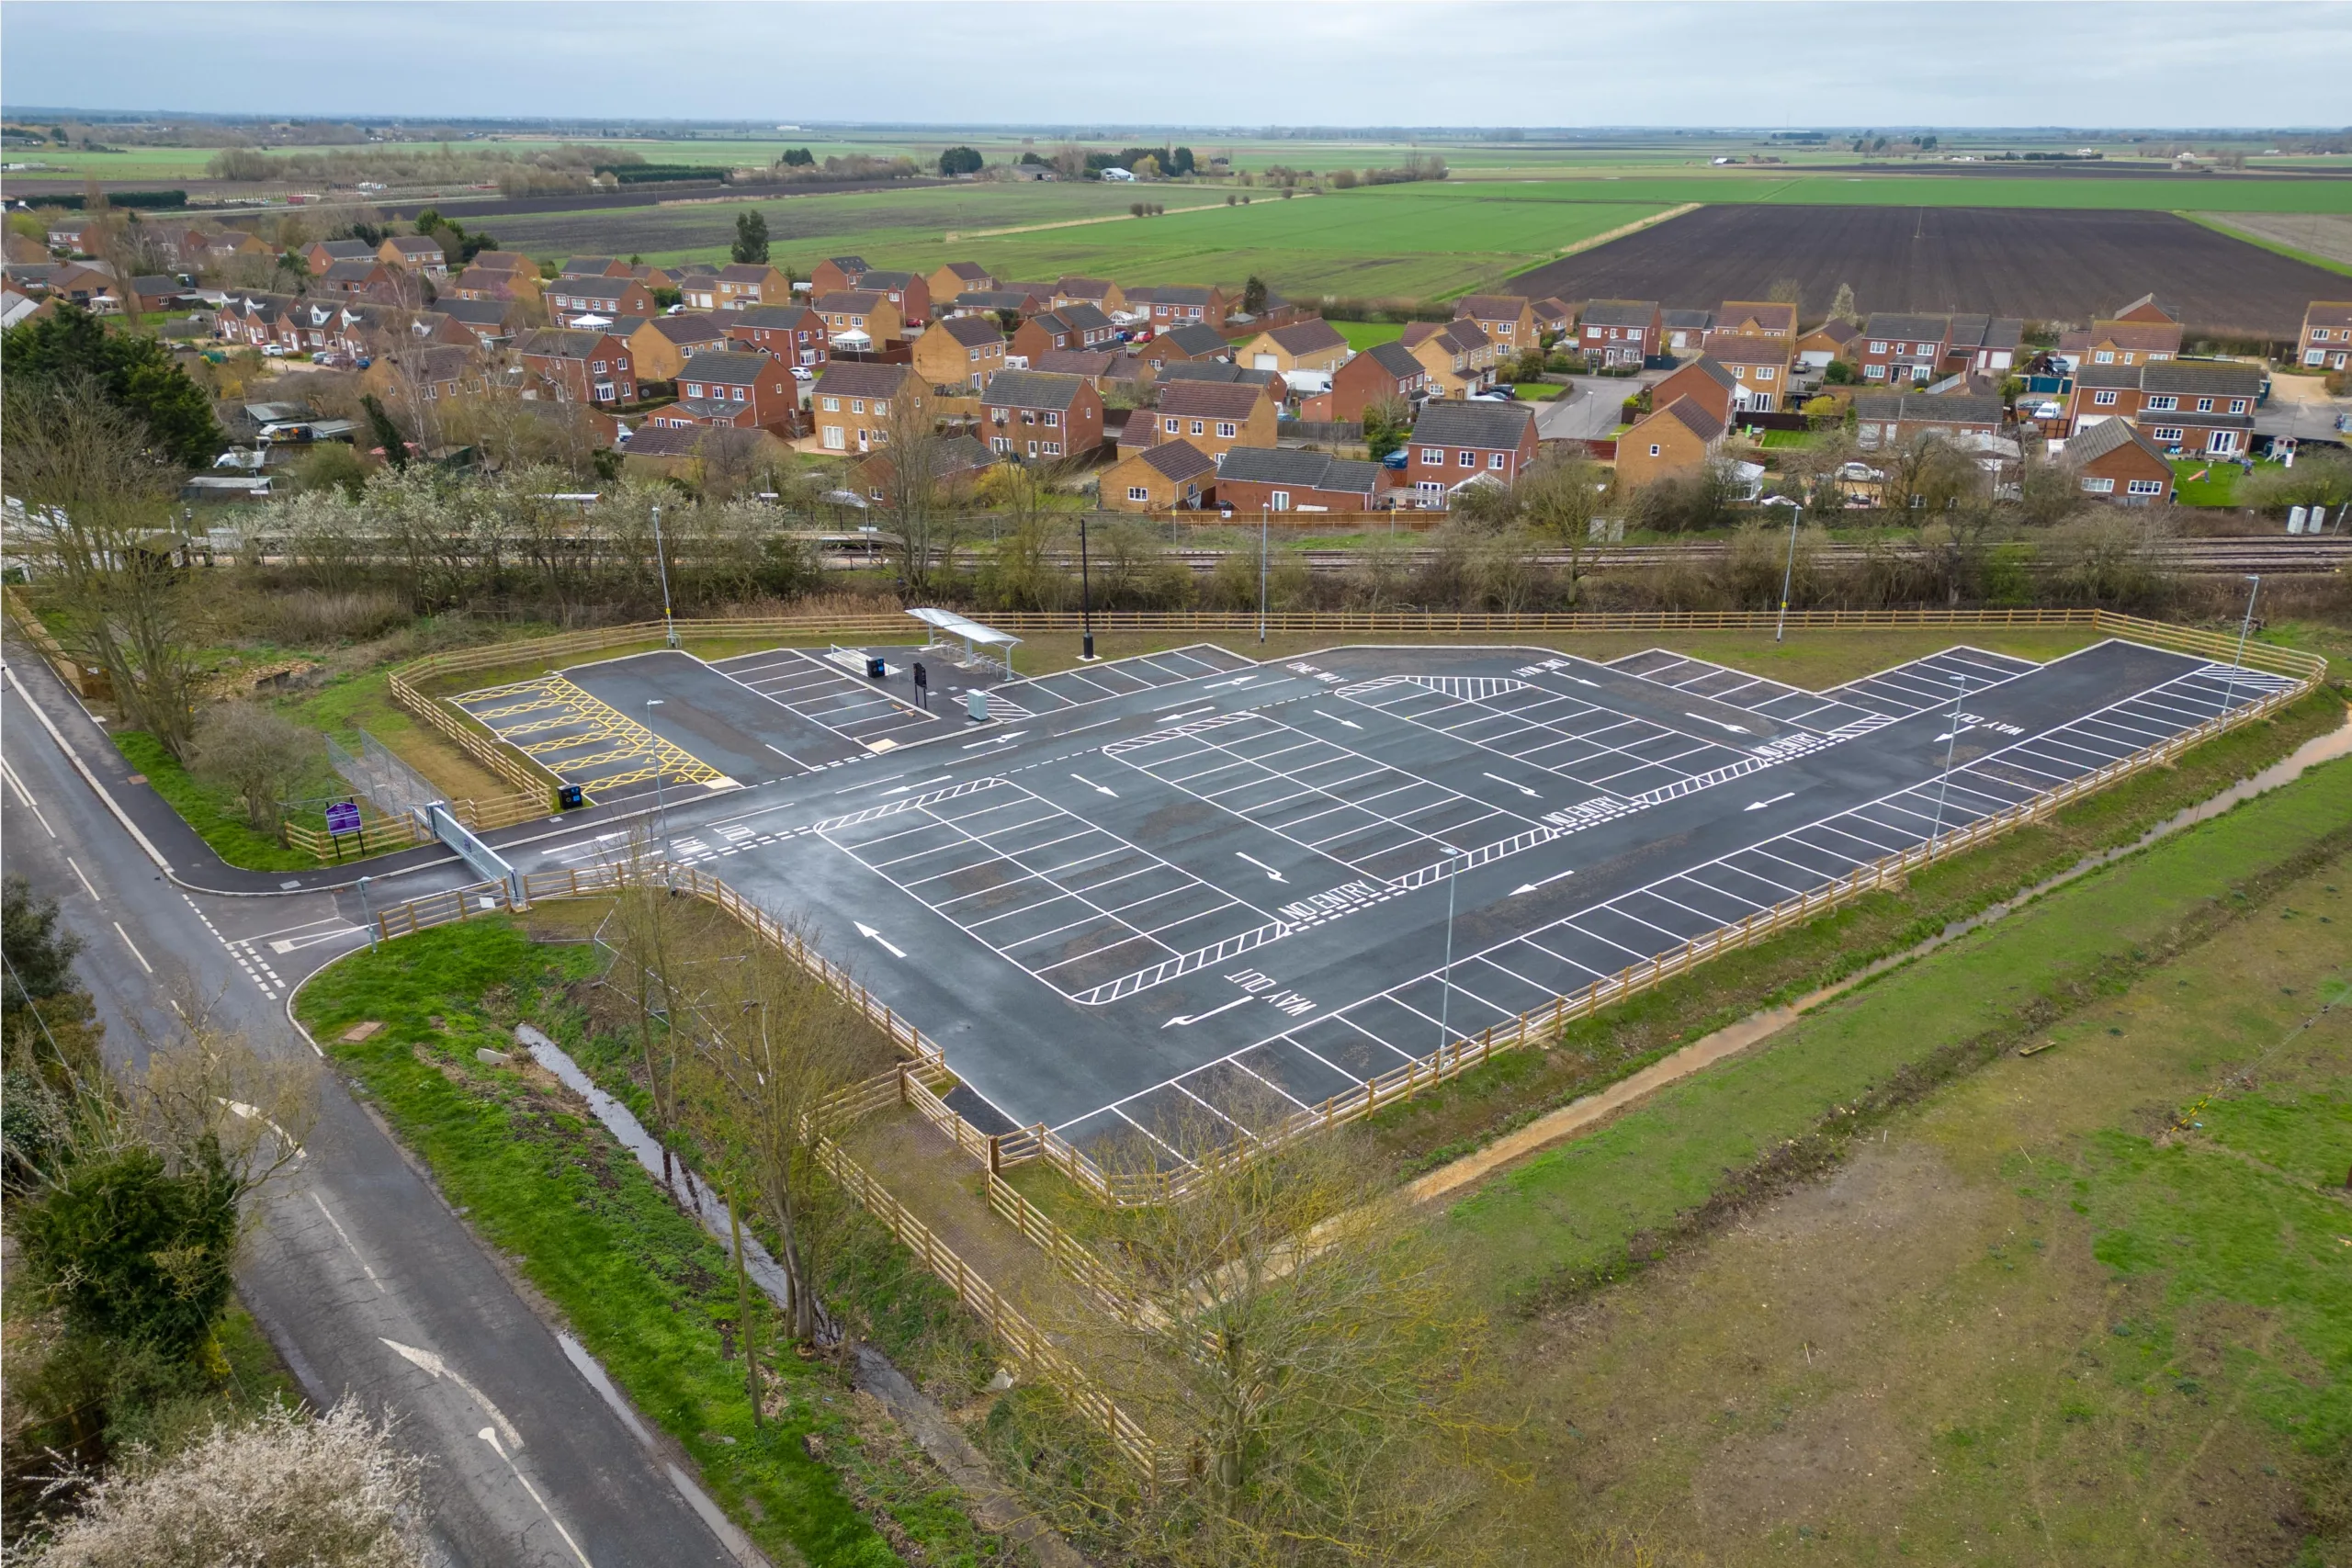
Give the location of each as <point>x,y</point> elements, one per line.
<point>1197,1017</point>
<point>1335,718</point>
<point>1760,805</point>
<point>1719,724</point>
<point>1271,873</point>
<point>1531,887</point>
<point>1515,784</point>
<point>870,934</point>
<point>1095,787</point>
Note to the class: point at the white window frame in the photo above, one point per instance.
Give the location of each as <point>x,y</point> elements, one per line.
<point>1136,492</point>
<point>2145,487</point>
<point>2098,486</point>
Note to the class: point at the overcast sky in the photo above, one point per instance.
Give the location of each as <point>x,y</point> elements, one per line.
<point>1103,61</point>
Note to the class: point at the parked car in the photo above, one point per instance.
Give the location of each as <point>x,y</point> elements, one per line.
<point>274,350</point>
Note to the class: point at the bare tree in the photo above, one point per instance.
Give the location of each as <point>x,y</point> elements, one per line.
<point>258,755</point>
<point>648,967</point>
<point>915,506</point>
<point>1842,307</point>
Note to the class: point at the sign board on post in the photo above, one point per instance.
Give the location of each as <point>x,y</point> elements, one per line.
<point>342,817</point>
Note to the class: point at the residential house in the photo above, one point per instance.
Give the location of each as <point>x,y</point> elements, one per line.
<point>1755,318</point>
<point>2198,407</point>
<point>1110,370</point>
<point>1223,371</point>
<point>1070,327</point>
<point>1215,416</point>
<point>1614,332</point>
<point>2325,342</point>
<point>17,247</point>
<point>794,333</point>
<point>17,309</point>
<point>480,282</point>
<point>320,255</point>
<point>1186,342</point>
<point>662,345</point>
<point>694,454</point>
<point>960,277</point>
<point>1554,316</point>
<point>505,261</point>
<point>959,351</point>
<point>231,243</point>
<point>1037,417</point>
<point>597,295</point>
<point>955,464</point>
<point>580,365</point>
<point>419,253</point>
<point>2148,308</point>
<point>1386,372</point>
<point>1454,444</point>
<point>1758,364</point>
<point>856,322</point>
<point>1896,346</point>
<point>1169,476</point>
<point>1311,344</point>
<point>2117,342</point>
<point>67,234</point>
<point>156,292</point>
<point>1833,339</point>
<point>1984,346</point>
<point>491,320</point>
<point>1182,305</point>
<point>1675,439</point>
<point>427,374</point>
<point>996,302</point>
<point>1685,331</point>
<point>2114,461</point>
<point>743,389</point>
<point>909,291</point>
<point>1508,319</point>
<point>1458,357</point>
<point>837,275</point>
<point>1280,479</point>
<point>363,278</point>
<point>1100,292</point>
<point>595,267</point>
<point>853,403</point>
<point>1894,420</point>
<point>744,284</point>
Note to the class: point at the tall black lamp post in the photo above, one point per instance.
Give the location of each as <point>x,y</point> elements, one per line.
<point>1085,594</point>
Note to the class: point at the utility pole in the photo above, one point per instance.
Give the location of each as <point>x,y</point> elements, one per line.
<point>1445,987</point>
<point>1788,573</point>
<point>662,565</point>
<point>1085,594</point>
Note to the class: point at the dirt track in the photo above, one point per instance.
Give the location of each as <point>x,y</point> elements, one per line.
<point>2062,266</point>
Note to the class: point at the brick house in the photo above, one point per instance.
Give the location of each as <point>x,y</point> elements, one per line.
<point>1100,292</point>
<point>960,277</point>
<point>959,351</point>
<point>414,253</point>
<point>1458,355</point>
<point>1215,416</point>
<point>2116,462</point>
<point>909,291</point>
<point>1508,319</point>
<point>320,255</point>
<point>1621,332</point>
<point>480,282</point>
<point>1685,331</point>
<point>1833,339</point>
<point>856,320</point>
<point>744,284</point>
<point>1675,439</point>
<point>579,365</point>
<point>2113,342</point>
<point>739,390</point>
<point>1755,318</point>
<point>491,322</point>
<point>1172,475</point>
<point>594,266</point>
<point>794,333</point>
<point>1554,316</point>
<point>1186,342</point>
<point>2148,308</point>
<point>1311,344</point>
<point>1219,370</point>
<point>1184,304</point>
<point>425,375</point>
<point>1984,345</point>
<point>1035,417</point>
<point>155,292</point>
<point>611,298</point>
<point>1382,373</point>
<point>2325,342</point>
<point>996,302</point>
<point>1456,442</point>
<point>2198,407</point>
<point>1892,420</point>
<point>1758,364</point>
<point>1070,327</point>
<point>1279,479</point>
<point>955,466</point>
<point>852,403</point>
<point>1109,370</point>
<point>1899,347</point>
<point>837,275</point>
<point>363,278</point>
<point>662,345</point>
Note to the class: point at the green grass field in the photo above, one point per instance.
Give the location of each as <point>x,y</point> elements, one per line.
<point>1362,336</point>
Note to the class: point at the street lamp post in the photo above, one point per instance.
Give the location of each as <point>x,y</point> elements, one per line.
<point>1085,593</point>
<point>1788,573</point>
<point>660,812</point>
<point>1261,577</point>
<point>367,914</point>
<point>1445,987</point>
<point>1943,786</point>
<point>2230,699</point>
<point>662,565</point>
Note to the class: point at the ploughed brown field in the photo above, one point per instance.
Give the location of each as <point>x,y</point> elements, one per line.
<point>2051,266</point>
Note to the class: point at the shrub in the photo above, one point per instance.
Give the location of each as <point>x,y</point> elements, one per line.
<point>131,1251</point>
<point>255,754</point>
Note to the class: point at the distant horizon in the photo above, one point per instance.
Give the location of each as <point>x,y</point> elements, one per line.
<point>1929,66</point>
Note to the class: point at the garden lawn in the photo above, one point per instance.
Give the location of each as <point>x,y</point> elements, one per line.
<point>640,1285</point>
<point>1362,336</point>
<point>2204,481</point>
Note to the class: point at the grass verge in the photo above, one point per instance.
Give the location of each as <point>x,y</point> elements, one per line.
<point>218,819</point>
<point>644,1289</point>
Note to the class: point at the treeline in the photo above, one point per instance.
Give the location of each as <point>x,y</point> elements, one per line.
<point>146,200</point>
<point>441,163</point>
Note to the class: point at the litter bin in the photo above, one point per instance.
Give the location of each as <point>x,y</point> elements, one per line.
<point>874,668</point>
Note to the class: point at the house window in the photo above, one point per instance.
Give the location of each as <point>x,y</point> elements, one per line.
<point>2103,400</point>
<point>882,406</point>
<point>1877,348</point>
<point>737,394</point>
<point>2237,405</point>
<point>694,389</point>
<point>2163,404</point>
<point>973,355</point>
<point>1196,427</point>
<point>834,438</point>
<point>1053,448</point>
<point>603,391</point>
<point>2147,487</point>
<point>1225,427</point>
<point>1467,460</point>
<point>2165,433</point>
<point>1003,446</point>
<point>1432,454</point>
<point>1653,450</point>
<point>2204,405</point>
<point>857,405</point>
<point>1136,492</point>
<point>2103,356</point>
<point>1873,372</point>
<point>1496,459</point>
<point>1174,426</point>
<point>1053,419</point>
<point>1765,372</point>
<point>833,405</point>
<point>1278,501</point>
<point>598,367</point>
<point>2099,487</point>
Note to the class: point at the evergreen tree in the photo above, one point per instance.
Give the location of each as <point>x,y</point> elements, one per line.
<point>751,245</point>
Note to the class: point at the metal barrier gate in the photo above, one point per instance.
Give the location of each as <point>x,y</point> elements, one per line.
<point>487,862</point>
